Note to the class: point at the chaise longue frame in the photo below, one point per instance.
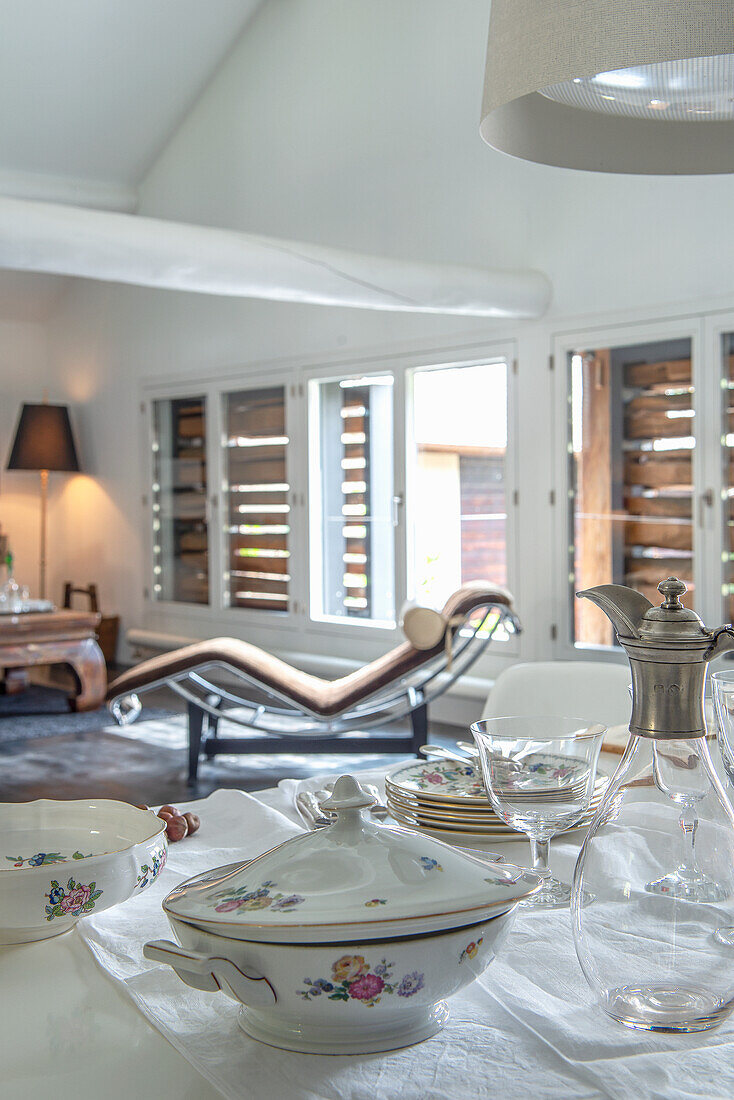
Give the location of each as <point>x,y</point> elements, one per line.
<point>305,713</point>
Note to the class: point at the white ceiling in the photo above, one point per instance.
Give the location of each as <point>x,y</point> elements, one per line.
<point>92,90</point>
<point>90,93</point>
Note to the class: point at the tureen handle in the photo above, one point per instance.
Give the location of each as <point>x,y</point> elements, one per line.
<point>211,972</point>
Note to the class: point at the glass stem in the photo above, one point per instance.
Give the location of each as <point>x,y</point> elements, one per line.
<point>689,825</point>
<point>539,855</point>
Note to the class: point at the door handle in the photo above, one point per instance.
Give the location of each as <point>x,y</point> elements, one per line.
<point>705,500</point>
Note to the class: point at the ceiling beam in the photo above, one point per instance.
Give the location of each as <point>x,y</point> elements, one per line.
<point>98,194</point>
<point>66,240</point>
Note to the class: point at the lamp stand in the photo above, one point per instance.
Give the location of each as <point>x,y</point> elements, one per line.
<point>44,501</point>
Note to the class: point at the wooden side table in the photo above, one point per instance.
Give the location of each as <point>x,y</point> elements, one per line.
<point>55,638</point>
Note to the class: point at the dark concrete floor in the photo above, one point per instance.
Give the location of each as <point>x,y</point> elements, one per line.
<point>92,763</point>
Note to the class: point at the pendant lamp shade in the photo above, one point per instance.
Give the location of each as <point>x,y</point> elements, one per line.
<point>636,86</point>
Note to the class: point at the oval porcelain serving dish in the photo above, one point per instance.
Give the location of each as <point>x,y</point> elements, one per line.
<point>350,998</point>
<point>345,940</point>
<point>60,861</point>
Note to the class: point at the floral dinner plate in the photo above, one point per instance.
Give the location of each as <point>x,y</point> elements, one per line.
<point>454,781</point>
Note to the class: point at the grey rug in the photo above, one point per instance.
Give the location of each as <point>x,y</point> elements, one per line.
<point>170,732</point>
<point>44,712</point>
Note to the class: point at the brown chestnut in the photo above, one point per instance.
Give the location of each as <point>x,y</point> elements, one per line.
<point>177,827</point>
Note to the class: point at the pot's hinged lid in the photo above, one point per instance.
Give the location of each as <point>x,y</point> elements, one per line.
<point>356,877</point>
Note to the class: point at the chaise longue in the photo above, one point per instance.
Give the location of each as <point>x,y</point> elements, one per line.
<point>303,713</point>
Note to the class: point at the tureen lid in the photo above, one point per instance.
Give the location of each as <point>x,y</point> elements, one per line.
<point>358,877</point>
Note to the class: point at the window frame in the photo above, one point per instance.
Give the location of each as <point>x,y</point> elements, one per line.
<point>347,626</point>
<point>501,352</point>
<point>403,369</point>
<point>224,391</point>
<point>262,618</point>
<point>287,632</point>
<point>711,518</point>
<point>166,613</point>
<point>685,326</point>
<point>188,388</point>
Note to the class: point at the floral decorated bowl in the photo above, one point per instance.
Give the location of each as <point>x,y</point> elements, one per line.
<point>344,941</point>
<point>60,861</point>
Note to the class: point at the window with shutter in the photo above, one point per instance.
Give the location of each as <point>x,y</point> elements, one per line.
<point>257,500</point>
<point>352,533</point>
<point>179,491</point>
<point>631,455</point>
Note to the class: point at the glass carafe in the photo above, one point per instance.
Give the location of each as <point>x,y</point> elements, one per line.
<point>659,860</point>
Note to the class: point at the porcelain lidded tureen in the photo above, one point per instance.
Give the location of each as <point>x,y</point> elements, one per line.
<point>345,940</point>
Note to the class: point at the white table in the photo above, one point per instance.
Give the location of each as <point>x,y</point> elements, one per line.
<point>67,1031</point>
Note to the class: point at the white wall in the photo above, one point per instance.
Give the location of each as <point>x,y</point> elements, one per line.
<point>23,377</point>
<point>356,125</point>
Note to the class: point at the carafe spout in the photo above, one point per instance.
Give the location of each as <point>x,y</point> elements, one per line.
<point>623,607</point>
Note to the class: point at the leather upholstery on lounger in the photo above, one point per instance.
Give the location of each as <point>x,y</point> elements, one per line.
<point>312,694</point>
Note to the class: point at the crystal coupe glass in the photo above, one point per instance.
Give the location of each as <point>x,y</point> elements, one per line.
<point>539,773</point>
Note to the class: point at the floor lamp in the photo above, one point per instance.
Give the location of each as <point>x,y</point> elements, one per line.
<point>44,441</point>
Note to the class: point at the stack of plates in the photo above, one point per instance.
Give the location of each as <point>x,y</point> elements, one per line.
<point>448,800</point>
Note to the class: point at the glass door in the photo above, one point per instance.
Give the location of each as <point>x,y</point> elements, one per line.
<point>179,501</point>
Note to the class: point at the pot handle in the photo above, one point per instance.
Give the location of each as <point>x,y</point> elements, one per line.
<point>211,972</point>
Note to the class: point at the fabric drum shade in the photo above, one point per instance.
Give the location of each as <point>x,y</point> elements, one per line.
<point>637,86</point>
<point>44,440</point>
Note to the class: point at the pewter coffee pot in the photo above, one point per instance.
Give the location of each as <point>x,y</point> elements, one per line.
<point>669,650</point>
<point>658,859</point>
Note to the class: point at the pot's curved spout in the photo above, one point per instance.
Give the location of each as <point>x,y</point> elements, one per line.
<point>622,606</point>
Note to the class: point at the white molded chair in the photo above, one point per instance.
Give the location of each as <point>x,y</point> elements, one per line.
<point>590,690</point>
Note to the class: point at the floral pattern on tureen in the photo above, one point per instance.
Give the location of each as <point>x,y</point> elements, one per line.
<point>471,949</point>
<point>429,864</point>
<point>353,978</point>
<point>43,859</point>
<point>261,897</point>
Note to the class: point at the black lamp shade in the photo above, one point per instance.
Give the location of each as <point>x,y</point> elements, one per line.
<point>44,440</point>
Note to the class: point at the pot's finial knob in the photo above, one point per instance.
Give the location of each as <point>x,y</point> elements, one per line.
<point>348,795</point>
<point>672,589</point>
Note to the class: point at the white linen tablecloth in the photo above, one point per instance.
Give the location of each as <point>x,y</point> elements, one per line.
<point>528,1028</point>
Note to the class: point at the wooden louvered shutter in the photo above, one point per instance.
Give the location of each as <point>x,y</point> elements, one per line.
<point>633,474</point>
<point>179,493</point>
<point>658,538</point>
<point>258,509</point>
<point>355,413</point>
